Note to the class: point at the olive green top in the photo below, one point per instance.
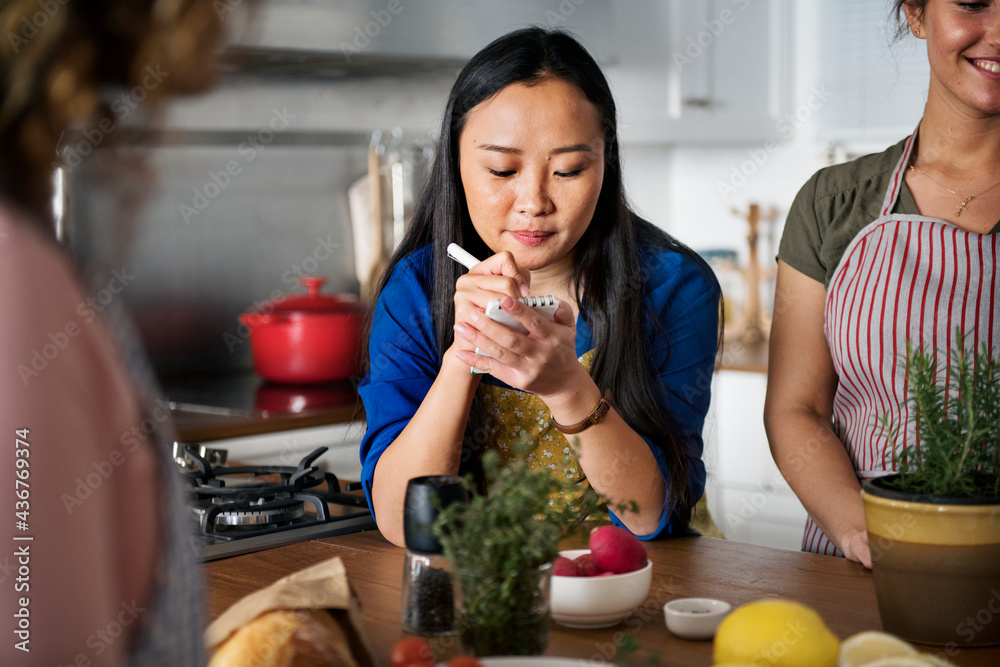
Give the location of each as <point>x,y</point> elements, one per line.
<point>834,205</point>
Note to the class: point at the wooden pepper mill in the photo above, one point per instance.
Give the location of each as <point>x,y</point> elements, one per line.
<point>752,326</point>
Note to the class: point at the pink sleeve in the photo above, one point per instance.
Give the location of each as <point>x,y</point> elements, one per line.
<point>79,530</point>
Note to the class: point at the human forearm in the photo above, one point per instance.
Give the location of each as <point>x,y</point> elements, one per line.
<point>816,465</point>
<point>431,444</point>
<point>616,460</point>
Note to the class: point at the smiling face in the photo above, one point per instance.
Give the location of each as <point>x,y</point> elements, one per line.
<point>963,47</point>
<point>531,160</point>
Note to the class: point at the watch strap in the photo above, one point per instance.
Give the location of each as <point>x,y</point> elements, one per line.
<point>595,417</point>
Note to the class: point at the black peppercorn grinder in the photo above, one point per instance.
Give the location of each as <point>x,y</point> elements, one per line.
<point>428,601</point>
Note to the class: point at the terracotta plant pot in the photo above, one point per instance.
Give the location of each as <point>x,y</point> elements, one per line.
<point>936,566</point>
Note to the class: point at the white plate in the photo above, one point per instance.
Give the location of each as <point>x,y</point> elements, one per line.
<point>536,662</point>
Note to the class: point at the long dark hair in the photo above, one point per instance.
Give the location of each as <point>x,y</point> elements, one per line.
<point>94,46</point>
<point>607,273</point>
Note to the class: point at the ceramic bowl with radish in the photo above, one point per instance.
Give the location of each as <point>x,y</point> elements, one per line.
<point>600,586</point>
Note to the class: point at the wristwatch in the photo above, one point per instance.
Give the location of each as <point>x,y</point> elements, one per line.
<point>595,417</point>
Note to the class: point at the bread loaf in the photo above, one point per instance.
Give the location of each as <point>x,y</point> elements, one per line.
<point>286,638</point>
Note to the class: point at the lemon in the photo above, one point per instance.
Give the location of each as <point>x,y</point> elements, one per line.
<point>777,632</point>
<point>917,660</point>
<point>866,647</point>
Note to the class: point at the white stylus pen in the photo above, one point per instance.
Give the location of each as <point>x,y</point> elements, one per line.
<point>461,255</point>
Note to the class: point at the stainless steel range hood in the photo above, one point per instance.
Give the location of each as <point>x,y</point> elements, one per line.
<point>356,37</point>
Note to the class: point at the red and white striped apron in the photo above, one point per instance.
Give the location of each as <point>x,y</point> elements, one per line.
<point>903,278</point>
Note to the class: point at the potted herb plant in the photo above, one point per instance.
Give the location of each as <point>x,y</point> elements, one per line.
<point>501,546</point>
<point>934,526</point>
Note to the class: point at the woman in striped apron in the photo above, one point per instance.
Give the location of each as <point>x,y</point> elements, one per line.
<point>891,248</point>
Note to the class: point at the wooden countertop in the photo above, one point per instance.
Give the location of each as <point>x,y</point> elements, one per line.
<point>230,405</point>
<point>736,356</point>
<point>204,427</point>
<point>839,590</point>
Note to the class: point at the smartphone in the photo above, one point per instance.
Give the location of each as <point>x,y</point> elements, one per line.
<point>546,305</point>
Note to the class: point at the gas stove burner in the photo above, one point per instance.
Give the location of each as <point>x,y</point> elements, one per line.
<point>252,514</point>
<point>220,480</point>
<point>240,509</point>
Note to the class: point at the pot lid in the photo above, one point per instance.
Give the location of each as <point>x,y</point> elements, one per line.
<point>313,301</point>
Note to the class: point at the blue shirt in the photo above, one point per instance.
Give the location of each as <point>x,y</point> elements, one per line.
<point>404,358</point>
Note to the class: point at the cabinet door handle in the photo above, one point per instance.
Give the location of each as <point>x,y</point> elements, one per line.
<point>697,102</point>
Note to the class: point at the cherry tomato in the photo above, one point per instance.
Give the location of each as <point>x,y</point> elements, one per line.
<point>464,661</point>
<point>411,652</point>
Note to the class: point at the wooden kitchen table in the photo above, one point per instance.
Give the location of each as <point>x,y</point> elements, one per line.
<point>838,589</point>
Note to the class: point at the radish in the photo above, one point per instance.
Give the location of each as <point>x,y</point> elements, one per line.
<point>616,550</point>
<point>564,567</point>
<point>586,565</point>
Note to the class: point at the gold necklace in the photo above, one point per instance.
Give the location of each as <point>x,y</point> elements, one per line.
<point>965,200</point>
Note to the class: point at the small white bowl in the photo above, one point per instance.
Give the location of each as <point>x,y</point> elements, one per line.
<point>597,602</point>
<point>695,618</point>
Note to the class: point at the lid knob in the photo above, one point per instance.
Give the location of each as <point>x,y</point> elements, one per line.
<point>313,284</point>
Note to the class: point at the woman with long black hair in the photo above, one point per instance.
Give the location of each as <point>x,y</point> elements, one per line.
<point>528,178</point>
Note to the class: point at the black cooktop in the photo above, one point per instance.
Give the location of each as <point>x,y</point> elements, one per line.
<point>245,394</point>
<point>240,509</point>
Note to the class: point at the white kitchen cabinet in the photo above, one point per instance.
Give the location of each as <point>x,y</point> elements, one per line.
<point>749,499</point>
<point>707,72</point>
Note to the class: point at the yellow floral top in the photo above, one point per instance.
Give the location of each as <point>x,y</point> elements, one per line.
<point>521,417</point>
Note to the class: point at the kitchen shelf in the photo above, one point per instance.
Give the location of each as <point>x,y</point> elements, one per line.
<point>312,65</point>
<point>187,138</point>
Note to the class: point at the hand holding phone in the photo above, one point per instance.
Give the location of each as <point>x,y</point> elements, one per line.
<point>546,305</point>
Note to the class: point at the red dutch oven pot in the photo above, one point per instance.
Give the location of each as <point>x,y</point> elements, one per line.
<point>306,339</point>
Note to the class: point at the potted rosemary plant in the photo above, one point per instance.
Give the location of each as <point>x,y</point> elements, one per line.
<point>501,546</point>
<point>934,526</point>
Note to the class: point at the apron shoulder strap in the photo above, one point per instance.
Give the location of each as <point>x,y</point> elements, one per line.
<point>896,182</point>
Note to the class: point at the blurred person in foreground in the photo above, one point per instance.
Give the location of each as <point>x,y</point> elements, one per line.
<point>97,568</point>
